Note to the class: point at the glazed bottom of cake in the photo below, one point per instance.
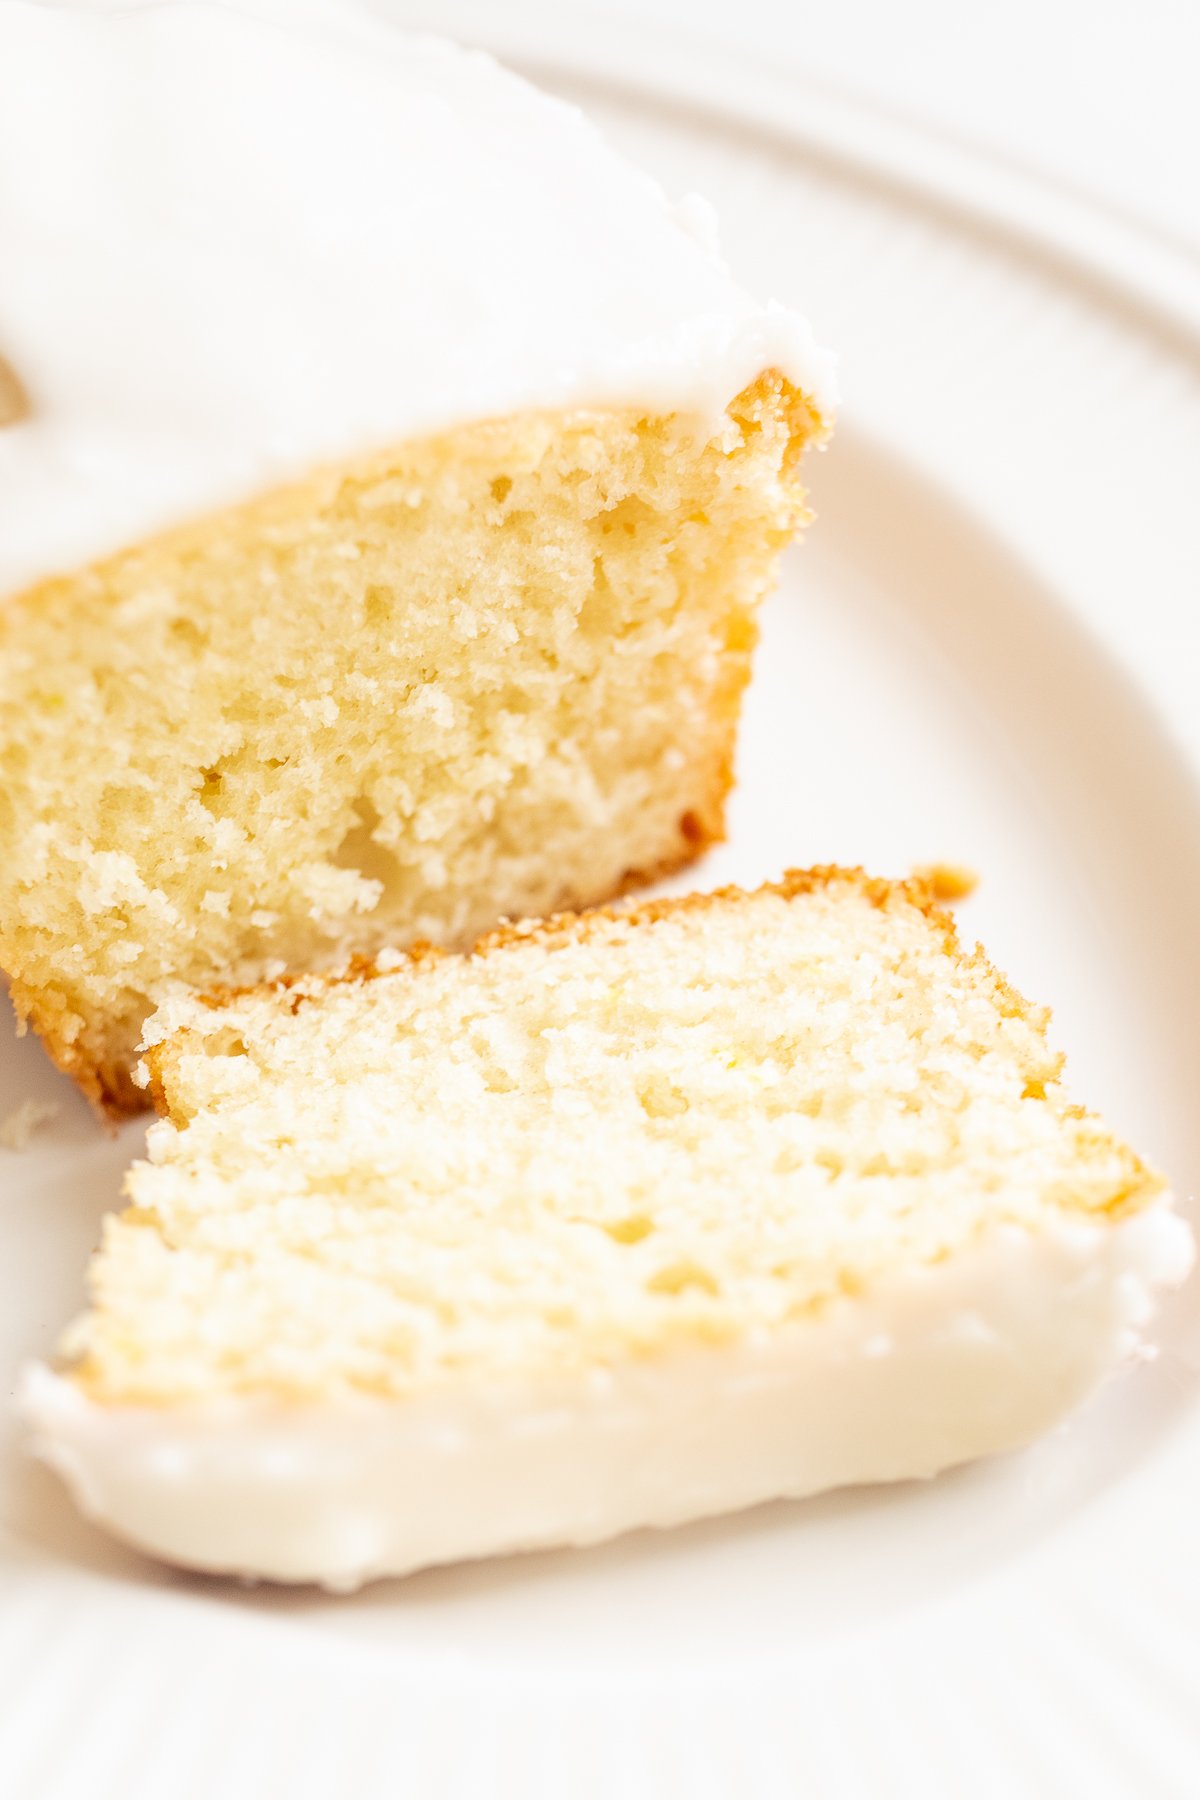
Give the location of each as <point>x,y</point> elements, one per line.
<point>936,1366</point>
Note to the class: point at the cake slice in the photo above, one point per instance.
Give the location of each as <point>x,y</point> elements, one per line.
<point>386,506</point>
<point>621,1220</point>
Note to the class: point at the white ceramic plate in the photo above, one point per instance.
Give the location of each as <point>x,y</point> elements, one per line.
<point>987,652</point>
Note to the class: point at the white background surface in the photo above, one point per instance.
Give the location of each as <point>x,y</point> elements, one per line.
<point>1099,94</point>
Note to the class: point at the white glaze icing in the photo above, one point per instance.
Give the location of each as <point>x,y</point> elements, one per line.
<point>241,237</point>
<point>934,1367</point>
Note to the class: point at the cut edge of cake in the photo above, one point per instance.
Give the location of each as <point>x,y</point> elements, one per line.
<point>930,1365</point>
<point>103,904</point>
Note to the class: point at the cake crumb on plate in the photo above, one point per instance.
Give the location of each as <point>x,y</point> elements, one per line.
<point>24,1121</point>
<point>947,881</point>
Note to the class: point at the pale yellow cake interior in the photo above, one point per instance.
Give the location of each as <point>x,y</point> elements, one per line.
<point>596,1139</point>
<point>476,677</point>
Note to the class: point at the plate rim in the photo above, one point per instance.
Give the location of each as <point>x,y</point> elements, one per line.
<point>1115,257</point>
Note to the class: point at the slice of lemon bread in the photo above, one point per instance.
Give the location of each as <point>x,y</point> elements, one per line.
<point>487,675</point>
<point>386,507</point>
<point>621,1220</point>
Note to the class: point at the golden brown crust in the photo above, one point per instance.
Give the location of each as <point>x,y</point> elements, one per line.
<point>948,881</point>
<point>568,927</point>
<point>564,928</point>
<point>106,1083</point>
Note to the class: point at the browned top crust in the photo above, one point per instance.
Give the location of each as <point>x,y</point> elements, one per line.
<point>560,929</point>
<point>563,929</point>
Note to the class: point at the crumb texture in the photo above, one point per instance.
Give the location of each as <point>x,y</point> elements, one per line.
<point>592,1140</point>
<point>480,677</point>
